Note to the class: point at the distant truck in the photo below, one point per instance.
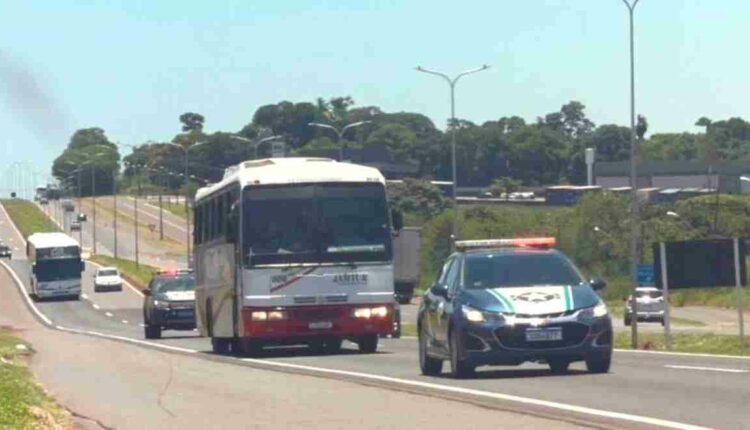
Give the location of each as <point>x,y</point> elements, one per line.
<point>407,248</point>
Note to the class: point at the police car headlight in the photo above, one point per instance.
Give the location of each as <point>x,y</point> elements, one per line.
<point>597,311</point>
<point>472,315</point>
<point>600,310</point>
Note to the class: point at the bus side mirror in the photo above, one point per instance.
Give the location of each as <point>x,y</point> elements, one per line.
<point>398,219</point>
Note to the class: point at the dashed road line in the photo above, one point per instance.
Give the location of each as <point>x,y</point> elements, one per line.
<point>95,306</point>
<point>125,321</point>
<point>109,314</point>
<point>707,369</point>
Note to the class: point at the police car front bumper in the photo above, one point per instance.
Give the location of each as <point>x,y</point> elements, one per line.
<point>505,342</point>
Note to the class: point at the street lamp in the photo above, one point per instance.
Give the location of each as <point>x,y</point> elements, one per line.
<point>631,4</point>
<point>93,195</point>
<point>452,84</point>
<point>186,150</point>
<point>339,133</point>
<point>257,142</point>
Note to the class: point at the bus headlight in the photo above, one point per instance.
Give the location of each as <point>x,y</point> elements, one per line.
<point>268,315</point>
<point>276,315</point>
<point>259,316</point>
<point>367,313</point>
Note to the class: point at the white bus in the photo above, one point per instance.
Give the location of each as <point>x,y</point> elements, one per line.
<point>56,265</point>
<point>294,251</point>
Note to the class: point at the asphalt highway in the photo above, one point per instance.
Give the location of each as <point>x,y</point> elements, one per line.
<point>641,390</point>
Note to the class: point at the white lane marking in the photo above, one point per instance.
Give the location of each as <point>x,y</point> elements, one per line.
<point>485,394</point>
<point>125,321</point>
<point>85,296</point>
<point>22,288</point>
<point>95,306</point>
<point>142,325</point>
<point>127,284</point>
<point>708,369</point>
<point>683,354</point>
<point>109,314</point>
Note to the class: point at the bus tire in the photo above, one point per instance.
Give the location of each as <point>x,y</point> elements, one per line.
<point>368,344</point>
<point>220,345</point>
<point>251,347</point>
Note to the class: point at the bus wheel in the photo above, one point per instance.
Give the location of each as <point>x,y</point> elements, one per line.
<point>220,345</point>
<point>251,347</point>
<point>368,344</point>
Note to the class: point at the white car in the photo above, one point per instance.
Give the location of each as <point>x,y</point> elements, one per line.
<point>107,279</point>
<point>650,305</point>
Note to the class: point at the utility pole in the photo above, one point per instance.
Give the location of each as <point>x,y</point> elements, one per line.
<point>93,199</point>
<point>114,195</point>
<point>634,209</point>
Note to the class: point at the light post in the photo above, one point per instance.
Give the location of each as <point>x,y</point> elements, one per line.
<point>256,142</point>
<point>452,84</point>
<point>186,150</point>
<point>339,133</point>
<point>631,4</point>
<point>93,195</point>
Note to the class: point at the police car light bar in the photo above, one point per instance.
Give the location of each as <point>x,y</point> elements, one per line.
<point>531,242</point>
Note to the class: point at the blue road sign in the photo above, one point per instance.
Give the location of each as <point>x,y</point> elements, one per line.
<point>646,276</point>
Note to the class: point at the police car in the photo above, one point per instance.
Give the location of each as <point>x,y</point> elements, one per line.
<point>510,301</point>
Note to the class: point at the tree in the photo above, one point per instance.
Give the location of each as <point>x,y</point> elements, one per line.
<point>504,185</point>
<point>192,122</point>
<point>88,148</point>
<point>641,127</point>
<point>399,140</point>
<point>417,198</point>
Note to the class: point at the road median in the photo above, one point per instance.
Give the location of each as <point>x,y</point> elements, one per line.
<point>139,276</point>
<point>28,218</point>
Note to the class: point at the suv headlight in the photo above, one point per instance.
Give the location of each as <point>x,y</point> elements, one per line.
<point>472,315</point>
<point>161,304</point>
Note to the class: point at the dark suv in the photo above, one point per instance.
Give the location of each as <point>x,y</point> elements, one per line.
<point>5,251</point>
<point>169,303</point>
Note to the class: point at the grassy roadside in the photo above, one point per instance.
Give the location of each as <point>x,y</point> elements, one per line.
<point>138,276</point>
<point>23,403</point>
<point>685,342</point>
<point>681,342</point>
<point>28,218</point>
<point>177,209</point>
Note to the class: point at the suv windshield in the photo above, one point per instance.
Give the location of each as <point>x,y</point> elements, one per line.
<point>519,270</point>
<point>108,272</point>
<point>648,294</point>
<point>316,223</point>
<point>176,283</point>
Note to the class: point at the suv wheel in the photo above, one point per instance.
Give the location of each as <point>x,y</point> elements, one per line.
<point>152,332</point>
<point>558,366</point>
<point>368,344</point>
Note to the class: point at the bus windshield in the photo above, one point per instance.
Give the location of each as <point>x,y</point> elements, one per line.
<point>316,223</point>
<point>58,269</point>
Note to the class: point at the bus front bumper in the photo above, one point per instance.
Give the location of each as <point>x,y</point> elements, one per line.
<point>289,324</point>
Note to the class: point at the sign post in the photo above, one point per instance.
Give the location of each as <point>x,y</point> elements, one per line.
<point>740,294</point>
<point>665,294</point>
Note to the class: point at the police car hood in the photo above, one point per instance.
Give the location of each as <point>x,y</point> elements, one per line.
<point>178,296</point>
<point>536,300</point>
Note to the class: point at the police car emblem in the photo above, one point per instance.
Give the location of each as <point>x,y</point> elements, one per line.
<point>536,297</point>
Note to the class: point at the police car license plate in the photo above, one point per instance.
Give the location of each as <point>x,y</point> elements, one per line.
<point>543,334</point>
<point>321,325</point>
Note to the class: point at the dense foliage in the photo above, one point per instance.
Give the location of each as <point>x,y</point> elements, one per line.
<point>547,151</point>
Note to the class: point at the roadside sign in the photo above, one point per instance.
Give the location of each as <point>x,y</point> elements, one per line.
<point>646,275</point>
<point>701,264</point>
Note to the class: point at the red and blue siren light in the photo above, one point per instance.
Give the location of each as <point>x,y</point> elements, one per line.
<point>527,242</point>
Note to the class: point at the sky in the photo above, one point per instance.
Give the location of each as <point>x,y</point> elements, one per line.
<point>132,67</point>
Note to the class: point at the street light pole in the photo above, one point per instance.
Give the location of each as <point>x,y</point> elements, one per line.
<point>635,229</point>
<point>452,84</point>
<point>339,133</point>
<point>114,195</point>
<point>93,199</point>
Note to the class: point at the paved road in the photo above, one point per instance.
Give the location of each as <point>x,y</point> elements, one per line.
<point>152,251</point>
<point>705,391</point>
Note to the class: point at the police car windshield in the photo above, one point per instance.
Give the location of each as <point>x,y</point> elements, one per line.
<point>176,283</point>
<point>505,269</point>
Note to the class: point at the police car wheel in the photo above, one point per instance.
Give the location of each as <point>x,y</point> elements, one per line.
<point>459,368</point>
<point>599,363</point>
<point>428,365</point>
<point>152,332</point>
<point>559,366</point>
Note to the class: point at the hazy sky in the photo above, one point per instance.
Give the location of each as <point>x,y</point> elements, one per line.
<point>133,67</point>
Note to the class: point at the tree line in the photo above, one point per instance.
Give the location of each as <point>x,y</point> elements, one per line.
<point>548,150</point>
